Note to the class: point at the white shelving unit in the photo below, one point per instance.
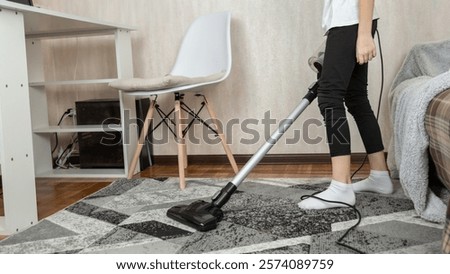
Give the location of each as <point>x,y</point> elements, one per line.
<point>42,131</point>
<point>25,132</point>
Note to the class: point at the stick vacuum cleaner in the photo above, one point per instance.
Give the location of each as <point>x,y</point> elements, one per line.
<point>204,216</point>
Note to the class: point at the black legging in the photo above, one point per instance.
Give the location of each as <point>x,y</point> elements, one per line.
<point>344,81</point>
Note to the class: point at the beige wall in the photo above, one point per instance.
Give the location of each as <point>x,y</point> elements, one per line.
<point>272,41</point>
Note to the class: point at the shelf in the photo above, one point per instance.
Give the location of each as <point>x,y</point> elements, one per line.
<point>41,23</point>
<point>75,129</point>
<point>71,82</point>
<point>83,173</point>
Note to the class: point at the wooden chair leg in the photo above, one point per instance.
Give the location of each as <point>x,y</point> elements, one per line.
<point>141,141</point>
<point>182,155</point>
<point>223,140</point>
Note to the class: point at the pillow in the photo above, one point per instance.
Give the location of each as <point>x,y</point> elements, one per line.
<point>165,82</point>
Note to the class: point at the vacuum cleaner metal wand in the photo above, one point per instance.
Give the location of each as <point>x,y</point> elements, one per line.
<point>284,126</point>
<point>224,195</point>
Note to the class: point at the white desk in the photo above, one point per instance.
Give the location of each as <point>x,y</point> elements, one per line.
<point>25,133</point>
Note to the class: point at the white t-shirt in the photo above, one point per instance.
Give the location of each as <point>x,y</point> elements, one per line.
<point>339,13</point>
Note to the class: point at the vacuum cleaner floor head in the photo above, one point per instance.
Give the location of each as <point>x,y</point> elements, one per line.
<point>201,215</point>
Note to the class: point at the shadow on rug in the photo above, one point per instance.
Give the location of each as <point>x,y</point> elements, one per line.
<point>129,217</point>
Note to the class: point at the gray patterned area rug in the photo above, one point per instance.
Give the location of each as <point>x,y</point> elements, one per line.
<point>129,217</point>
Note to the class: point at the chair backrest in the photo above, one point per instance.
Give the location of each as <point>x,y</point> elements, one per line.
<point>206,47</point>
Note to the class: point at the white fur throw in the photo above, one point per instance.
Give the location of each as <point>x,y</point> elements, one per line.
<point>424,74</point>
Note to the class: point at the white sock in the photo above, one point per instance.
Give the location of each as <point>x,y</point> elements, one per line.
<point>337,191</point>
<point>378,181</point>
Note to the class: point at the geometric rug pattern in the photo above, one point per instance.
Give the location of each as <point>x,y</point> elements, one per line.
<point>262,217</point>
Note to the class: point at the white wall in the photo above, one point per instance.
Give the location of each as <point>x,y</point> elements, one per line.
<point>272,41</point>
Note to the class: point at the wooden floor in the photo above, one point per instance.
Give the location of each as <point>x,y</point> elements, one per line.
<point>316,170</point>
<point>54,195</point>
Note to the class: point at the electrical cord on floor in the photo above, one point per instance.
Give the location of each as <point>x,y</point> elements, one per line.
<point>340,241</point>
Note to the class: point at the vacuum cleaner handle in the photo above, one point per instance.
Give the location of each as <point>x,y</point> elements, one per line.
<point>222,197</point>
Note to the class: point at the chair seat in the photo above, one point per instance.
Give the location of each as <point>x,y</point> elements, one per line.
<point>162,83</point>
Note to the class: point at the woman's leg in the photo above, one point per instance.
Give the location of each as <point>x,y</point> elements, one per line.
<point>338,66</point>
<point>358,105</point>
<point>377,161</point>
<point>339,63</point>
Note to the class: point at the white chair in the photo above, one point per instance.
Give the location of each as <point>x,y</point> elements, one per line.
<point>204,59</point>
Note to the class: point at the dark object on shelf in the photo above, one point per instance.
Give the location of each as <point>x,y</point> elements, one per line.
<point>105,149</point>
<point>100,149</point>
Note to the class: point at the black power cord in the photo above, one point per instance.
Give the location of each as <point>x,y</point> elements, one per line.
<point>56,134</point>
<point>63,156</point>
<point>340,241</point>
